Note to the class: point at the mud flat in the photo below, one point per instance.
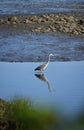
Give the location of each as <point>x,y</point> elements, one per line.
<point>72,23</point>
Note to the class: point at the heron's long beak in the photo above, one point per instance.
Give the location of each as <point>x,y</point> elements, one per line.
<point>55,54</point>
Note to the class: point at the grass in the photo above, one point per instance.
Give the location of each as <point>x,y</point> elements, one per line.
<point>19,114</point>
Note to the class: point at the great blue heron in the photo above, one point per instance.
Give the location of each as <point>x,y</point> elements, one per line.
<point>43,66</point>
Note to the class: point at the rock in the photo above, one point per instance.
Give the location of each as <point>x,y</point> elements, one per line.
<point>1,21</point>
<point>47,30</point>
<point>53,29</point>
<point>81,22</point>
<point>66,30</point>
<point>68,23</point>
<point>12,19</point>
<point>27,21</point>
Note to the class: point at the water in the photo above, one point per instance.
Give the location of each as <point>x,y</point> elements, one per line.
<point>61,84</point>
<point>16,45</point>
<point>36,6</point>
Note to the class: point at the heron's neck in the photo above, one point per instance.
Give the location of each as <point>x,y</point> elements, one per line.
<point>49,59</point>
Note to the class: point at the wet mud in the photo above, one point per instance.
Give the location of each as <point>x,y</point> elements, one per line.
<point>31,38</point>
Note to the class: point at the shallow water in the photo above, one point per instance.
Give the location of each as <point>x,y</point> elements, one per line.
<point>62,84</point>
<point>36,6</point>
<point>16,44</point>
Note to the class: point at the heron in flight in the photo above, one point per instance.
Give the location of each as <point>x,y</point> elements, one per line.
<point>44,66</point>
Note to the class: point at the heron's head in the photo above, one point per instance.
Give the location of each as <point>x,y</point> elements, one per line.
<point>51,54</point>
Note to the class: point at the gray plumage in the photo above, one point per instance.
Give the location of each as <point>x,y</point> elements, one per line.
<point>43,66</point>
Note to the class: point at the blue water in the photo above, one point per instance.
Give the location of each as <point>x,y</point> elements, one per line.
<point>42,1</point>
<point>33,47</point>
<point>40,6</point>
<point>63,84</point>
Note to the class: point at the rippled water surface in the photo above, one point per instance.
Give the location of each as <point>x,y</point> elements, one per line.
<point>36,6</point>
<point>16,45</point>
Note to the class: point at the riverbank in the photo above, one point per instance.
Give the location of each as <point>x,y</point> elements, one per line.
<point>71,23</point>
<point>19,114</point>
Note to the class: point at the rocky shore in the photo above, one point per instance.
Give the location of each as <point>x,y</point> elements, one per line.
<point>67,23</point>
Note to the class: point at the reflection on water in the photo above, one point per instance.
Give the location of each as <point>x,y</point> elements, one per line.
<point>18,79</point>
<point>42,77</point>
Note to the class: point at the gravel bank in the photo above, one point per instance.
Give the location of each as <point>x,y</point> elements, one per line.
<point>67,23</point>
